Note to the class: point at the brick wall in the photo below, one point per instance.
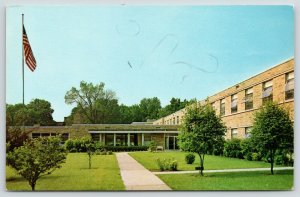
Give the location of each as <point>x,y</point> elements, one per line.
<point>244,118</point>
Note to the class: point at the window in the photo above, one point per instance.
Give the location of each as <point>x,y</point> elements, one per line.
<point>234,107</point>
<point>95,137</point>
<point>222,107</point>
<point>109,139</point>
<point>121,139</point>
<point>249,99</point>
<point>45,134</point>
<point>289,86</point>
<point>234,133</point>
<point>177,119</point>
<point>147,139</point>
<point>267,94</point>
<point>35,135</point>
<point>213,105</point>
<point>248,132</point>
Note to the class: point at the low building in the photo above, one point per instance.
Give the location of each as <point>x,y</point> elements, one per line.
<point>113,134</point>
<point>236,106</point>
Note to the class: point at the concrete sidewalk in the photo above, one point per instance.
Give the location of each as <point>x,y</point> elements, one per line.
<point>136,177</point>
<point>225,170</point>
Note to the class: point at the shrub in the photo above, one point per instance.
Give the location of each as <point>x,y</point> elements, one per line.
<point>69,145</point>
<point>232,148</point>
<point>190,158</point>
<point>109,152</point>
<point>283,157</point>
<point>125,148</point>
<point>256,157</point>
<point>152,146</point>
<point>174,165</point>
<point>248,156</point>
<point>167,164</point>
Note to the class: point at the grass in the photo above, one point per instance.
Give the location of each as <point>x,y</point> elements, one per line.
<point>75,175</point>
<point>258,180</point>
<point>148,160</point>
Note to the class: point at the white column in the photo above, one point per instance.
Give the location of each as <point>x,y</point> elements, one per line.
<point>142,139</point>
<point>115,139</point>
<point>100,138</point>
<point>128,139</point>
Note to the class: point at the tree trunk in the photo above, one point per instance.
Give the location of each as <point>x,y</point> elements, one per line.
<point>90,161</point>
<point>272,160</point>
<point>201,164</point>
<point>32,186</point>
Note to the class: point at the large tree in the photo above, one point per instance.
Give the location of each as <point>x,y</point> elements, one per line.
<point>200,131</point>
<point>37,157</point>
<point>38,111</point>
<point>272,130</point>
<point>150,108</point>
<point>94,102</point>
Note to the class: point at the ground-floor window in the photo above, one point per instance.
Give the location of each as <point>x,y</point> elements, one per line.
<point>95,137</point>
<point>133,139</point>
<point>109,139</point>
<point>147,139</point>
<point>121,139</point>
<point>171,141</point>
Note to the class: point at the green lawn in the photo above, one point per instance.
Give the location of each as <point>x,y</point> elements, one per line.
<point>259,180</point>
<point>148,160</point>
<point>75,175</point>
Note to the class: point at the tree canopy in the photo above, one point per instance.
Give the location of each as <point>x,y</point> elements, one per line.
<point>272,130</point>
<point>95,103</point>
<point>37,157</point>
<point>38,111</point>
<point>200,131</point>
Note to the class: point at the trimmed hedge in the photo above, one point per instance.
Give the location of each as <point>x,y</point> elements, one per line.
<point>125,148</point>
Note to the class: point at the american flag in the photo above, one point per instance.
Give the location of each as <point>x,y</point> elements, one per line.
<point>29,58</point>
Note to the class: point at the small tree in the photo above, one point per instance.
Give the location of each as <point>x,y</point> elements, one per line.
<point>36,158</point>
<point>90,150</point>
<point>272,130</point>
<point>200,131</point>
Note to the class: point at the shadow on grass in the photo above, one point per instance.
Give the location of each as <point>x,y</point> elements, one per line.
<point>244,174</point>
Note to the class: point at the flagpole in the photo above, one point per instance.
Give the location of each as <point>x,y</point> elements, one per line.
<point>23,57</point>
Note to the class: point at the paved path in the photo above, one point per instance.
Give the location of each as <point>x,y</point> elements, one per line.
<point>225,170</point>
<point>136,177</point>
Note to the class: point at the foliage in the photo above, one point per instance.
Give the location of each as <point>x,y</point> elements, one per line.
<point>256,157</point>
<point>74,176</point>
<point>37,157</point>
<point>125,148</point>
<point>15,137</point>
<point>232,148</point>
<point>175,105</point>
<point>38,111</point>
<point>272,130</point>
<point>150,108</point>
<point>190,158</point>
<point>79,145</point>
<point>167,164</point>
<point>94,102</point>
<point>152,146</point>
<point>283,157</point>
<point>212,162</point>
<point>200,131</point>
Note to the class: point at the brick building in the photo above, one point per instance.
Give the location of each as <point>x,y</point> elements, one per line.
<point>235,105</point>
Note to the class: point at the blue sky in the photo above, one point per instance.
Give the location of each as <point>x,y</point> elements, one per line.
<point>143,51</point>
